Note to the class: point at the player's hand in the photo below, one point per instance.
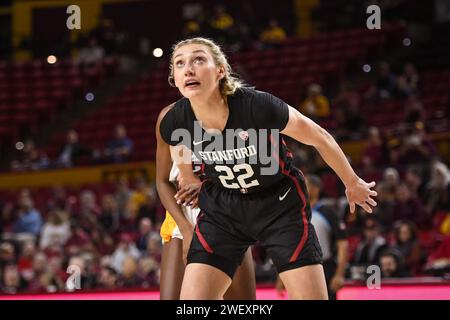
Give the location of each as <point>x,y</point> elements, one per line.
<point>187,239</point>
<point>336,283</point>
<point>359,193</point>
<point>188,193</point>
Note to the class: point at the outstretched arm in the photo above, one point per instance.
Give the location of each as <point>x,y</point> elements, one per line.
<point>308,132</point>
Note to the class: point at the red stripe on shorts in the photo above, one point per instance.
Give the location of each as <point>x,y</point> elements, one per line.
<point>281,163</point>
<point>201,238</point>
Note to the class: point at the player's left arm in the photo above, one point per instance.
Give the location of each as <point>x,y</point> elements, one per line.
<point>306,131</point>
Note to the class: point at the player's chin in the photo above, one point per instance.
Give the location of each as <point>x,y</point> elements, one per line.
<point>189,93</point>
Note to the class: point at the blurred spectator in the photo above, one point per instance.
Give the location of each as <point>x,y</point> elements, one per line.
<point>120,147</point>
<point>56,231</point>
<point>88,204</point>
<point>138,197</point>
<point>30,158</point>
<point>346,97</point>
<point>350,123</point>
<point>221,24</point>
<point>29,219</point>
<point>125,248</point>
<point>316,105</point>
<point>43,280</point>
<point>7,254</point>
<point>145,233</point>
<point>416,147</point>
<point>153,247</point>
<point>192,29</point>
<point>385,84</point>
<point>59,199</point>
<point>129,277</point>
<point>369,249</point>
<point>108,278</point>
<point>402,89</point>
<point>148,209</point>
<point>437,195</point>
<point>415,181</point>
<point>26,258</point>
<point>103,243</point>
<point>78,241</point>
<point>375,151</point>
<point>411,77</point>
<point>273,35</point>
<point>91,54</point>
<point>406,241</point>
<point>88,279</point>
<point>72,151</point>
<point>391,264</point>
<point>384,211</point>
<point>414,112</point>
<point>391,178</point>
<point>408,207</point>
<point>439,259</point>
<point>149,272</point>
<point>7,218</point>
<point>109,217</point>
<point>122,196</point>
<point>11,281</point>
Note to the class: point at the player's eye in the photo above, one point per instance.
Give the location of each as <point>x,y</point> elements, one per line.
<point>199,60</point>
<point>179,63</point>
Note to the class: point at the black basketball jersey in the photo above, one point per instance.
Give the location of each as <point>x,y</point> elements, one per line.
<point>249,154</point>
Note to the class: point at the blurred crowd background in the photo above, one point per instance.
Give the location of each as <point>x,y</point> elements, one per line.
<point>80,100</point>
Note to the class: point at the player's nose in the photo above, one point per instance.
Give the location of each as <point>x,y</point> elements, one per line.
<point>189,70</point>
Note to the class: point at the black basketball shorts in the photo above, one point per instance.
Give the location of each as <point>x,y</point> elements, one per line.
<point>279,217</point>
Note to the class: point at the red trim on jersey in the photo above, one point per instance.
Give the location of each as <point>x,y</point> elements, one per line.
<point>201,238</point>
<point>302,196</point>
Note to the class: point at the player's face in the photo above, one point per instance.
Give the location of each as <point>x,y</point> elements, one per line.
<point>195,72</point>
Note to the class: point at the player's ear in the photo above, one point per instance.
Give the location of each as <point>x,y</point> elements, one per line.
<point>221,73</point>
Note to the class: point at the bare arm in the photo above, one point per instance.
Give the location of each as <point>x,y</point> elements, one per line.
<point>165,188</point>
<point>308,132</point>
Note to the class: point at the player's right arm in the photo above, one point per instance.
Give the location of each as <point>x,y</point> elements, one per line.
<point>166,189</point>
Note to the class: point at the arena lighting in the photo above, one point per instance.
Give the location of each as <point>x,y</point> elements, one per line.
<point>157,52</point>
<point>90,96</point>
<point>407,42</point>
<point>19,145</point>
<point>51,59</point>
<point>366,68</point>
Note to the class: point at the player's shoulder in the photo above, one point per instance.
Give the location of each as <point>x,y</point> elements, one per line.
<point>173,109</point>
<point>250,96</point>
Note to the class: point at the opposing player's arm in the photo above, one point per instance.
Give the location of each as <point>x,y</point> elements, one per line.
<point>189,183</point>
<point>166,189</point>
<point>306,131</point>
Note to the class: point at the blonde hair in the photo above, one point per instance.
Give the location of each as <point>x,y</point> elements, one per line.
<point>229,83</point>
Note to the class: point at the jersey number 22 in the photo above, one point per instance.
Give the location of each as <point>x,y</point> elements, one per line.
<point>241,178</point>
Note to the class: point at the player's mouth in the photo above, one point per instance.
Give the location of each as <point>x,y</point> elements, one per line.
<point>191,84</point>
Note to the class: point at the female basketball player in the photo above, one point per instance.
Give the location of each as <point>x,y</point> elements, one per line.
<point>241,203</point>
<point>243,286</point>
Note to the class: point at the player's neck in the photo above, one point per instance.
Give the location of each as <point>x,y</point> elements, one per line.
<point>212,112</point>
<point>208,105</point>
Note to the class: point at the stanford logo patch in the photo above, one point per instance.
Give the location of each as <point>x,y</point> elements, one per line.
<point>243,135</point>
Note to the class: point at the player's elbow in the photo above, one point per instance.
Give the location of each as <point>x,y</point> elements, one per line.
<point>322,138</point>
